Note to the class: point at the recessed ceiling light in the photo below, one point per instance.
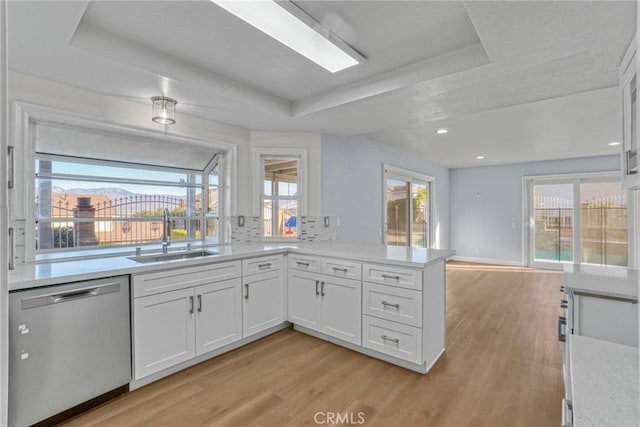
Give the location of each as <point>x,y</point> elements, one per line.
<point>291,26</point>
<point>479,157</point>
<point>614,143</point>
<point>442,131</point>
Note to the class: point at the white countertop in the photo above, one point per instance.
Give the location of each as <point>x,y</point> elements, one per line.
<point>49,273</point>
<point>599,280</point>
<point>604,383</point>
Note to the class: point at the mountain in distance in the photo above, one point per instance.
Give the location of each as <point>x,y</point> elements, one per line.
<point>111,192</point>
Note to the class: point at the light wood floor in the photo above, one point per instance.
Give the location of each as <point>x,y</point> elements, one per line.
<point>502,367</point>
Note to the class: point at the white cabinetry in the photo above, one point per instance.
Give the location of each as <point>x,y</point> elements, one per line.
<point>263,294</point>
<point>628,77</point>
<point>325,303</point>
<point>183,313</point>
<point>164,331</point>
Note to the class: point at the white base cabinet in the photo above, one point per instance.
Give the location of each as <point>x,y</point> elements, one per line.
<point>171,327</point>
<point>326,304</point>
<point>263,294</point>
<point>218,315</point>
<point>164,331</point>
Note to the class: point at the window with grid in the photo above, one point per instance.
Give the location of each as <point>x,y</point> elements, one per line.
<point>280,197</point>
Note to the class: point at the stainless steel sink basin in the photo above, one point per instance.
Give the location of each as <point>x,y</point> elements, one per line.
<point>172,256</point>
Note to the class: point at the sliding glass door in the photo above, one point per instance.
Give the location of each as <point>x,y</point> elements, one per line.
<point>407,206</point>
<point>576,219</point>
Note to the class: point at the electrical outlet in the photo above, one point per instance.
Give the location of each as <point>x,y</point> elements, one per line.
<point>327,222</point>
<point>240,220</point>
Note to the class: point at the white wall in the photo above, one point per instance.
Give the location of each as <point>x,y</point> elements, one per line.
<point>352,186</point>
<point>308,141</point>
<point>4,307</point>
<point>481,225</point>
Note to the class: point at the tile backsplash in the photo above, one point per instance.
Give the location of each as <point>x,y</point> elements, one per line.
<point>312,229</point>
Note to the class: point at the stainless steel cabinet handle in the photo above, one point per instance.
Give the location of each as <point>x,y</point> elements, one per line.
<point>322,288</point>
<point>562,326</point>
<point>10,173</point>
<point>317,283</point>
<point>564,303</point>
<point>199,303</point>
<point>344,270</point>
<point>264,265</point>
<point>303,264</point>
<point>246,295</point>
<point>388,304</point>
<point>12,248</point>
<point>390,276</point>
<point>191,304</point>
<point>386,338</point>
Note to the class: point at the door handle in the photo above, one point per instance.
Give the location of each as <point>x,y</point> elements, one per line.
<point>246,295</point>
<point>317,283</point>
<point>199,303</point>
<point>303,264</point>
<point>11,181</point>
<point>12,249</point>
<point>388,304</point>
<point>322,288</point>
<point>389,276</point>
<point>344,270</point>
<point>191,304</point>
<point>267,265</point>
<point>386,338</point>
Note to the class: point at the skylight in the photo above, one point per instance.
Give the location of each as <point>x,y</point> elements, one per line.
<point>292,27</point>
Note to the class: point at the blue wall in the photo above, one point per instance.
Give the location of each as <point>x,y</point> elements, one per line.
<point>352,186</point>
<point>481,226</point>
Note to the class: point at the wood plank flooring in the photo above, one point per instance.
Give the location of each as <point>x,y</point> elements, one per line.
<point>502,367</point>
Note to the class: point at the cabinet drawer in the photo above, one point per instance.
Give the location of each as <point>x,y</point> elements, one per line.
<point>393,303</point>
<point>169,280</point>
<point>342,268</point>
<point>394,276</point>
<point>394,339</point>
<point>305,263</point>
<point>261,265</point>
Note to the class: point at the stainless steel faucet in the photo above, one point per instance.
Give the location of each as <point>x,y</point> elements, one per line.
<point>166,230</point>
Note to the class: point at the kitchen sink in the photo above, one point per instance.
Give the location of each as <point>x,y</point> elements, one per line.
<point>143,259</point>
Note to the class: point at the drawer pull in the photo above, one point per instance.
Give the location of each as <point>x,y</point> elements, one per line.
<point>199,303</point>
<point>388,304</point>
<point>267,265</point>
<point>394,340</point>
<point>246,295</point>
<point>191,304</point>
<point>564,303</point>
<point>562,326</point>
<point>303,264</point>
<point>344,270</point>
<point>322,288</point>
<point>317,283</point>
<point>389,276</point>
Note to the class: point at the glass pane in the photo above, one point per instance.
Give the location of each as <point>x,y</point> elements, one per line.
<point>83,169</point>
<point>397,214</point>
<point>420,205</point>
<point>287,189</point>
<point>212,227</point>
<point>75,213</point>
<point>268,188</point>
<point>604,223</point>
<point>553,222</point>
<point>267,217</point>
<point>287,218</point>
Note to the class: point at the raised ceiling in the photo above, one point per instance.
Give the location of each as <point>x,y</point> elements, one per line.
<point>515,81</point>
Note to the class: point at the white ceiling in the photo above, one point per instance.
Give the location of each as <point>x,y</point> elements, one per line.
<point>514,80</point>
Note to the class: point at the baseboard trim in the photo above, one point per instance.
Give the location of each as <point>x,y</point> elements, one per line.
<point>493,261</point>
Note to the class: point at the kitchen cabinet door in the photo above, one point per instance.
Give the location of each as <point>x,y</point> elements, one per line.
<point>164,333</point>
<point>263,302</point>
<point>218,315</point>
<point>342,308</point>
<point>304,299</point>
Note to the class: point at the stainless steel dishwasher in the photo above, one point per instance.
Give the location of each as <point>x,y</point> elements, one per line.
<point>68,344</point>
